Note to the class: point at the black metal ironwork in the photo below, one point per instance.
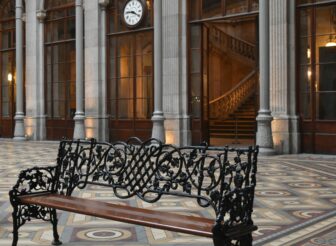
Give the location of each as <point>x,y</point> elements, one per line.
<point>148,170</point>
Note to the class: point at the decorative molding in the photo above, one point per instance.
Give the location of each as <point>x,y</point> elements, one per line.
<point>41,15</point>
<point>103,3</point>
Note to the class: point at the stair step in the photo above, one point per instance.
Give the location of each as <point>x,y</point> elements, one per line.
<point>233,124</point>
<point>239,125</point>
<point>241,122</point>
<point>244,113</point>
<point>239,136</point>
<point>232,131</point>
<point>250,133</point>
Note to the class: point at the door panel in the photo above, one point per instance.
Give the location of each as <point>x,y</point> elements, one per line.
<point>60,90</point>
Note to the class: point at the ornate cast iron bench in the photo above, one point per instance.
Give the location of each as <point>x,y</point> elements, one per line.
<point>148,170</point>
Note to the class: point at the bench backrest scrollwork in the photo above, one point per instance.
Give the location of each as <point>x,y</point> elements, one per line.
<point>223,178</point>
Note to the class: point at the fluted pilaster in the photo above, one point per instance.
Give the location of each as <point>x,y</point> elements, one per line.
<point>282,76</point>
<point>175,85</point>
<point>96,119</point>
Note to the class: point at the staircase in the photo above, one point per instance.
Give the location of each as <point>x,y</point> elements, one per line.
<point>241,124</point>
<point>232,116</point>
<point>226,43</point>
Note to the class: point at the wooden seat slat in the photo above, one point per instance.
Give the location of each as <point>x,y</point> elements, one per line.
<point>159,219</point>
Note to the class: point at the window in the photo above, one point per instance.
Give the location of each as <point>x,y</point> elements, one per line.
<point>130,73</point>
<point>317,63</point>
<point>130,66</point>
<point>60,56</point>
<point>218,8</point>
<point>7,58</point>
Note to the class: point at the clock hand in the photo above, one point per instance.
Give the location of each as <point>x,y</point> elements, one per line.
<point>132,12</point>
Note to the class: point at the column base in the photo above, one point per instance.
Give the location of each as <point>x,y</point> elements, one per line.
<point>264,133</point>
<point>177,130</point>
<point>19,138</point>
<point>35,127</point>
<point>97,127</point>
<point>267,152</point>
<point>158,131</point>
<point>19,132</point>
<point>285,134</point>
<point>79,132</point>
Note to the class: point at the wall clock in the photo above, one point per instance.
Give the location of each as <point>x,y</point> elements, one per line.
<point>133,13</point>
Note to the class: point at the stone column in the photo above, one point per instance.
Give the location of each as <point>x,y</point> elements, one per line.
<point>35,120</point>
<point>19,132</point>
<point>96,119</point>
<point>294,130</point>
<point>79,132</point>
<point>282,79</point>
<point>175,73</point>
<point>158,131</point>
<point>264,118</point>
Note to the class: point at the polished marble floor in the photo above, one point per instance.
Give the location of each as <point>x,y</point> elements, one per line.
<point>295,204</point>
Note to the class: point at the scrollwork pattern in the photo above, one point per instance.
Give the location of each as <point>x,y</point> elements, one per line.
<point>33,180</point>
<point>152,169</point>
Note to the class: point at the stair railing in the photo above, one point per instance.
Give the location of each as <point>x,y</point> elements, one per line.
<point>221,107</point>
<point>226,42</point>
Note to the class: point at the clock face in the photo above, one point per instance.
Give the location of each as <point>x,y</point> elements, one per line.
<point>133,12</point>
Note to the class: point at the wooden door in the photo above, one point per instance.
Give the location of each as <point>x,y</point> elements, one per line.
<point>198,73</point>
<point>60,90</point>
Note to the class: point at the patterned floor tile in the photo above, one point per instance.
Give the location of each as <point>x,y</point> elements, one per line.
<point>294,205</point>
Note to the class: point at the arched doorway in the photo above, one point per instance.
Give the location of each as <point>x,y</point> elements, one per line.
<point>223,71</point>
<point>60,68</point>
<point>130,73</point>
<point>7,68</point>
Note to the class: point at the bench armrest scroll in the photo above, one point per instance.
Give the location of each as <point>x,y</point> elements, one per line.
<point>33,180</point>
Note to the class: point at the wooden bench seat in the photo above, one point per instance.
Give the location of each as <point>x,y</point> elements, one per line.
<point>158,219</point>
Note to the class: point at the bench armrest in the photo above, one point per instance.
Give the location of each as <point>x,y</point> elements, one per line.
<point>33,180</point>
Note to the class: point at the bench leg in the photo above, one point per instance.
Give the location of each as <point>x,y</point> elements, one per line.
<point>15,227</point>
<point>219,239</point>
<point>54,221</point>
<point>246,240</point>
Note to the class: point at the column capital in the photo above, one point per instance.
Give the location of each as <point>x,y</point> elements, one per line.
<point>103,3</point>
<point>41,15</point>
